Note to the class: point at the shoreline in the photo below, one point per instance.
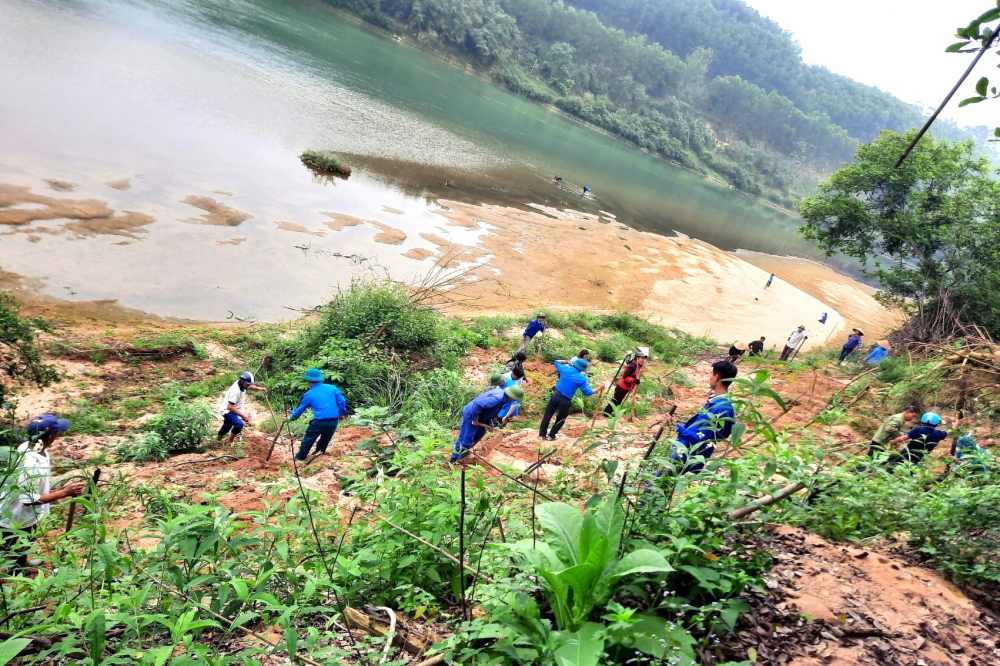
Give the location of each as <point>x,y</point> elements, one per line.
<point>537,257</point>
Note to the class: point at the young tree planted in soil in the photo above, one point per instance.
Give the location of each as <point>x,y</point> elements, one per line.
<point>926,230</point>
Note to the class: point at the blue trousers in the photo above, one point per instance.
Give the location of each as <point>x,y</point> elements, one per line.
<point>230,422</point>
<point>321,430</point>
<point>468,435</point>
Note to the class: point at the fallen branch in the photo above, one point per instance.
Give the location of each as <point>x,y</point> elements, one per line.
<point>774,497</point>
<point>514,479</point>
<point>205,460</point>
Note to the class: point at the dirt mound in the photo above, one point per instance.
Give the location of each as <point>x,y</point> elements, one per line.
<point>836,605</point>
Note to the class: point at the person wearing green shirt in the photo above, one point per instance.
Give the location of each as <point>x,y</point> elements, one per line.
<point>893,427</point>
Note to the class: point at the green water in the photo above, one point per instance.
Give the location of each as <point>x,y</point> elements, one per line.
<point>217,98</point>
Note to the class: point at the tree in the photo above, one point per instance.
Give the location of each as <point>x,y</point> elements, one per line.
<point>20,358</point>
<point>928,230</point>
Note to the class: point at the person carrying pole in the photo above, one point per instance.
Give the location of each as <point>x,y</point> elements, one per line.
<point>571,379</point>
<point>478,416</point>
<point>892,428</point>
<point>853,342</point>
<point>713,423</point>
<point>535,327</point>
<point>26,489</point>
<point>629,381</point>
<point>233,417</point>
<point>795,340</point>
<point>328,406</point>
<point>736,352</point>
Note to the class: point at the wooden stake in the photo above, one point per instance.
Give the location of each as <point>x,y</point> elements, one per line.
<point>72,507</point>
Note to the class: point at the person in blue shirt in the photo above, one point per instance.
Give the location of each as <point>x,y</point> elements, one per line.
<point>822,318</point>
<point>714,423</point>
<point>919,441</point>
<point>969,455</point>
<point>853,342</point>
<point>571,379</point>
<point>880,351</point>
<point>478,416</point>
<point>510,409</point>
<point>327,404</point>
<point>535,327</point>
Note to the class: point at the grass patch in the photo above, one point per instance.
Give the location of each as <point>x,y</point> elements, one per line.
<point>324,160</point>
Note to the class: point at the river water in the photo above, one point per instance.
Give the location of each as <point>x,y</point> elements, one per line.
<point>151,108</point>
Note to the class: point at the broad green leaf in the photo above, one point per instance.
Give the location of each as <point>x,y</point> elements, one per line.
<point>584,647</point>
<point>981,85</point>
<point>610,520</point>
<point>641,561</point>
<point>970,100</point>
<point>562,524</point>
<point>95,631</point>
<point>955,47</point>
<point>12,647</point>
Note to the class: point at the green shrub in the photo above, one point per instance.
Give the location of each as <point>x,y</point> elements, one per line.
<point>324,160</point>
<point>441,395</point>
<point>360,312</point>
<point>612,347</point>
<point>181,426</point>
<point>141,447</point>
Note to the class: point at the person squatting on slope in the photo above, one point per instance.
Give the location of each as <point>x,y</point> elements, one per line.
<point>853,342</point>
<point>535,327</point>
<point>629,381</point>
<point>571,379</point>
<point>511,408</point>
<point>736,352</point>
<point>891,428</point>
<point>968,455</point>
<point>713,423</point>
<point>757,347</point>
<point>231,408</point>
<point>795,340</point>
<point>25,495</point>
<point>328,405</point>
<point>919,441</point>
<point>478,417</point>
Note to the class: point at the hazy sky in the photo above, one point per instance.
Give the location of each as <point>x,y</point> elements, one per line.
<point>895,45</point>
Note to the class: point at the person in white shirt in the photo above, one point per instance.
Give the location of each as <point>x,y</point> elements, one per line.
<point>25,488</point>
<point>795,340</point>
<point>233,417</point>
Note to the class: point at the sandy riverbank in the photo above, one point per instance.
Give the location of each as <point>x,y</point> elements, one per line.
<point>535,257</point>
<point>548,258</point>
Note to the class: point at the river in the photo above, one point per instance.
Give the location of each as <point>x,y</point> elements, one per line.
<point>157,143</point>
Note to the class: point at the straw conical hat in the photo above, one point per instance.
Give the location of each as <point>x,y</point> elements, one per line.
<point>884,344</point>
<point>742,346</point>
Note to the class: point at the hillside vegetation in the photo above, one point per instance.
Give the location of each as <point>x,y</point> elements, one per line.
<point>234,555</point>
<point>708,84</point>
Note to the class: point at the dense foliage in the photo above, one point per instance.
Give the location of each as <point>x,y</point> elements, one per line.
<point>706,83</point>
<point>927,230</point>
<point>20,356</point>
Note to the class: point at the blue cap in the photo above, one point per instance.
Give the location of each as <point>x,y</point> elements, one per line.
<point>313,375</point>
<point>247,377</point>
<point>581,364</point>
<point>46,424</point>
<point>930,418</point>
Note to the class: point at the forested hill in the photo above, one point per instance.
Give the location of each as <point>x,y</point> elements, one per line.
<point>708,84</point>
<point>760,52</point>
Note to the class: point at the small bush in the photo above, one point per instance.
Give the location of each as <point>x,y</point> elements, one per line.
<point>441,395</point>
<point>141,447</point>
<point>612,347</point>
<point>88,418</point>
<point>323,160</point>
<point>181,426</point>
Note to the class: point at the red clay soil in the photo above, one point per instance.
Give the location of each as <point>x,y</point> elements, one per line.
<point>834,605</point>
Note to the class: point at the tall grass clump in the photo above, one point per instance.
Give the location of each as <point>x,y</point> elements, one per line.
<point>324,160</point>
